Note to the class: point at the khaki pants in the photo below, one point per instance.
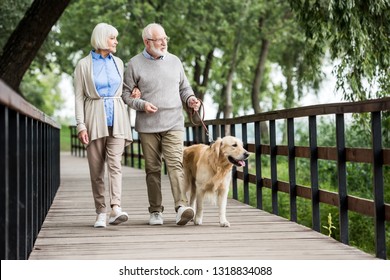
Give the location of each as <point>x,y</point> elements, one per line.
<point>102,150</point>
<point>169,145</point>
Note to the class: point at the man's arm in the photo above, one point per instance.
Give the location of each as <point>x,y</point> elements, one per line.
<point>131,95</point>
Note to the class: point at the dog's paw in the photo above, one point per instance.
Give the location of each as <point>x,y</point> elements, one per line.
<point>224,224</point>
<point>197,221</point>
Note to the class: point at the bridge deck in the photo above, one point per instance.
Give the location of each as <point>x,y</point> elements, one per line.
<point>67,232</point>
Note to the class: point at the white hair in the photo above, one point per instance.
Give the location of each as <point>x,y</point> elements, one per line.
<point>100,35</point>
<point>147,32</point>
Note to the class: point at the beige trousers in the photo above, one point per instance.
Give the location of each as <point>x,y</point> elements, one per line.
<point>169,145</point>
<point>100,151</point>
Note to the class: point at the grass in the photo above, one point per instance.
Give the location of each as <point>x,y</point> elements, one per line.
<point>65,138</point>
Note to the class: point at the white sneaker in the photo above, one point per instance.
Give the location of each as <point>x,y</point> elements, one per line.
<point>100,220</point>
<point>184,215</point>
<point>156,219</point>
<point>117,216</point>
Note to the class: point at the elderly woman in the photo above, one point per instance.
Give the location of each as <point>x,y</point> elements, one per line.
<point>103,120</point>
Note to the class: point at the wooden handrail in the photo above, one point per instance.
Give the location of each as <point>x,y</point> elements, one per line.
<point>374,105</point>
<point>16,102</point>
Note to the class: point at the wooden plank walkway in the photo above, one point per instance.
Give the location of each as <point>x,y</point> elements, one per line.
<point>68,232</point>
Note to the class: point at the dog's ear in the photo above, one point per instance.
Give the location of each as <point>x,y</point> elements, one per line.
<point>216,147</point>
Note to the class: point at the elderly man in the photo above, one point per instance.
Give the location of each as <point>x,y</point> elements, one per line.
<point>160,77</point>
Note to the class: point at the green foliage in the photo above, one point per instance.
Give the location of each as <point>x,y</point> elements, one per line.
<point>41,89</point>
<point>355,33</point>
<point>357,36</point>
<point>65,138</point>
<point>196,29</point>
<point>11,12</point>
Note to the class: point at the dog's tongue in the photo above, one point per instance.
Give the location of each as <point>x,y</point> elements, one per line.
<point>242,163</point>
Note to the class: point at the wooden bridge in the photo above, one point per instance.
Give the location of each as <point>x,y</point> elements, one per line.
<point>68,233</point>
<point>47,208</point>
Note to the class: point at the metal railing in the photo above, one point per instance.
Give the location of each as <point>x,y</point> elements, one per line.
<point>377,156</point>
<point>132,155</point>
<point>249,129</point>
<point>29,172</point>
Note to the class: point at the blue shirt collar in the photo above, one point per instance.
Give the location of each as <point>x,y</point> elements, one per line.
<point>98,56</point>
<point>148,56</point>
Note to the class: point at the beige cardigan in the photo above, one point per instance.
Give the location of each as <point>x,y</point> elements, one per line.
<point>89,106</point>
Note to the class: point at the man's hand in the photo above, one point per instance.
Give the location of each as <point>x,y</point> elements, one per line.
<point>150,108</point>
<point>194,103</point>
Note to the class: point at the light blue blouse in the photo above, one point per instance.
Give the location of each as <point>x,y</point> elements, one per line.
<point>107,80</point>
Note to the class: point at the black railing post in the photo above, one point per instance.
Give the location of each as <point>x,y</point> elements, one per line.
<point>234,170</point>
<point>342,179</point>
<point>315,197</point>
<point>125,156</point>
<point>274,173</point>
<point>259,179</point>
<point>30,185</point>
<point>193,130</point>
<point>379,216</point>
<point>31,179</point>
<point>23,197</point>
<point>13,163</point>
<point>35,178</point>
<point>4,179</point>
<point>139,147</point>
<point>132,163</point>
<point>223,131</point>
<point>245,169</point>
<point>291,169</point>
<point>215,133</point>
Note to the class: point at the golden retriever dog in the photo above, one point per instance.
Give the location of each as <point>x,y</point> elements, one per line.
<point>207,173</point>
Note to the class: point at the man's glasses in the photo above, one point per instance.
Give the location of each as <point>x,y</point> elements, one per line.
<point>161,40</point>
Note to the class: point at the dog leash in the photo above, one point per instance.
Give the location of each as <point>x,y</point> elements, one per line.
<point>201,118</point>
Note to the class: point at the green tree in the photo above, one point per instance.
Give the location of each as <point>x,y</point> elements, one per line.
<point>357,34</point>
<point>230,51</point>
<point>41,88</point>
<point>26,39</point>
<point>11,12</point>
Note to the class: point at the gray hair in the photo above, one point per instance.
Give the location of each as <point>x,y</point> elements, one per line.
<point>100,35</point>
<point>147,32</point>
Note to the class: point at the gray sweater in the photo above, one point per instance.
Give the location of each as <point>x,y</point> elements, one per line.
<point>163,83</point>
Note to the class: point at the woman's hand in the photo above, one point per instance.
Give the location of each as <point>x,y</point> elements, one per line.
<point>136,93</point>
<point>83,137</point>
